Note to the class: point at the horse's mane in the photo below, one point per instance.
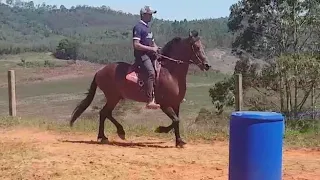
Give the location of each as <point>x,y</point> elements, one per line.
<point>168,47</point>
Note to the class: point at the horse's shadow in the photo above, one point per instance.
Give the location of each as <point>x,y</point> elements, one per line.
<point>123,144</point>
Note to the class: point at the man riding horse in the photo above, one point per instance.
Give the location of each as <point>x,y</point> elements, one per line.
<point>144,51</point>
<point>112,80</point>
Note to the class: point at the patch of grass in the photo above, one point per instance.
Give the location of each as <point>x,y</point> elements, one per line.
<point>31,60</point>
<point>29,56</point>
<point>197,94</point>
<point>208,127</point>
<point>81,125</point>
<point>205,78</point>
<point>296,138</point>
<point>26,66</point>
<point>91,126</point>
<point>33,64</point>
<point>46,88</point>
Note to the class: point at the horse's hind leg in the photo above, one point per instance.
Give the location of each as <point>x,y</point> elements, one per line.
<point>120,131</point>
<point>103,115</point>
<point>106,112</point>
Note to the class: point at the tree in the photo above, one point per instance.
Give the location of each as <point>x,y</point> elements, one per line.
<point>9,2</point>
<point>67,49</point>
<point>285,33</point>
<point>273,29</point>
<point>267,29</point>
<point>298,74</point>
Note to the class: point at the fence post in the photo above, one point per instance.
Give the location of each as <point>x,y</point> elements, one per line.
<point>313,103</point>
<point>238,95</point>
<point>12,93</point>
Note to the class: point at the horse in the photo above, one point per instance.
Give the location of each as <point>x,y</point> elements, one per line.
<point>121,80</point>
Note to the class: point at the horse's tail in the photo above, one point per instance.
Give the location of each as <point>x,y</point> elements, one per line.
<point>83,105</point>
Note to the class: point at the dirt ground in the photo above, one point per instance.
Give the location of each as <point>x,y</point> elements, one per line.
<point>38,154</point>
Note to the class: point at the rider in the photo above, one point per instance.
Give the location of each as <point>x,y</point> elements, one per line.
<point>144,49</point>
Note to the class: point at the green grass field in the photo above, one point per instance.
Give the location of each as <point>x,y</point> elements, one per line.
<point>54,91</point>
<point>56,99</point>
<point>49,104</point>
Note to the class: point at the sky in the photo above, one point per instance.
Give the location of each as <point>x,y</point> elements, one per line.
<point>167,9</point>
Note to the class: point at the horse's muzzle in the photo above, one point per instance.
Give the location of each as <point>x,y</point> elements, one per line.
<point>207,67</point>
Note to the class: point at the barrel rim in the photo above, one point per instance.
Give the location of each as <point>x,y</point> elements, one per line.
<point>258,115</point>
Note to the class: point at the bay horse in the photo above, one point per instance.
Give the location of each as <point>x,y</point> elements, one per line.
<point>121,80</point>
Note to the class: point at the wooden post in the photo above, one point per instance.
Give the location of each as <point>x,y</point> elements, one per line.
<point>12,93</point>
<point>238,95</point>
<point>313,103</point>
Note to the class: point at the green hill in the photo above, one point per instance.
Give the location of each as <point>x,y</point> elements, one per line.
<point>102,34</point>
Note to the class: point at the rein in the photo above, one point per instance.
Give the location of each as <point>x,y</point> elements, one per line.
<point>171,59</point>
<point>179,61</point>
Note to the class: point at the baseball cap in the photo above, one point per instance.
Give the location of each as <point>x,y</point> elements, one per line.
<point>147,10</point>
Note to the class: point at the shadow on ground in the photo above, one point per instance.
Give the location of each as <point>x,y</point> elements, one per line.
<point>123,144</point>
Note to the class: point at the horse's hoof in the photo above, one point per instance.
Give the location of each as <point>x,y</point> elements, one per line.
<point>158,129</point>
<point>103,140</point>
<point>121,134</point>
<point>161,129</point>
<point>180,143</point>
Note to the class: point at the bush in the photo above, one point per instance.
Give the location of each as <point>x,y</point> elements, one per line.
<point>67,49</point>
<point>222,94</point>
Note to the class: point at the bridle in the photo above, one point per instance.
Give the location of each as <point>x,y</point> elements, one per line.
<point>183,62</point>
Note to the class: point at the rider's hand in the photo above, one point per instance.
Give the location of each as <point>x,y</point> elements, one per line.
<point>159,49</point>
<point>154,49</point>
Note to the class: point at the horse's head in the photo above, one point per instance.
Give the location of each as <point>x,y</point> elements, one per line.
<point>188,50</point>
<point>196,51</point>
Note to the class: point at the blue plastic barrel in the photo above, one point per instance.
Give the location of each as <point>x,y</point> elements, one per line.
<point>255,145</point>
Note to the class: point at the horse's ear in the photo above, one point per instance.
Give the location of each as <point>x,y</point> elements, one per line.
<point>193,36</point>
<point>190,38</point>
<point>195,33</point>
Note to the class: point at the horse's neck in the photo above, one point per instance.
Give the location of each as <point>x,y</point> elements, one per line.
<point>178,71</point>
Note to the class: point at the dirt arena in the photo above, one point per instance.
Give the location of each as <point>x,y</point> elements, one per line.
<point>38,154</point>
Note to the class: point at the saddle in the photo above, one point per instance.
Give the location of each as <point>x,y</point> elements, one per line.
<point>137,75</point>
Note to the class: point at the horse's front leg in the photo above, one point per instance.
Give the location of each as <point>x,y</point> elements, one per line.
<point>171,113</point>
<point>167,129</point>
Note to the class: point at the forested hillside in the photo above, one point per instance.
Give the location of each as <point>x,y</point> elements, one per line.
<point>100,34</point>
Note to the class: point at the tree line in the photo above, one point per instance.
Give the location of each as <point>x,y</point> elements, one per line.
<point>96,34</point>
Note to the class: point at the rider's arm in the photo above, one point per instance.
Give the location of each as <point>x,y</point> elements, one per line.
<point>137,45</point>
<point>136,40</point>
<point>154,43</point>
